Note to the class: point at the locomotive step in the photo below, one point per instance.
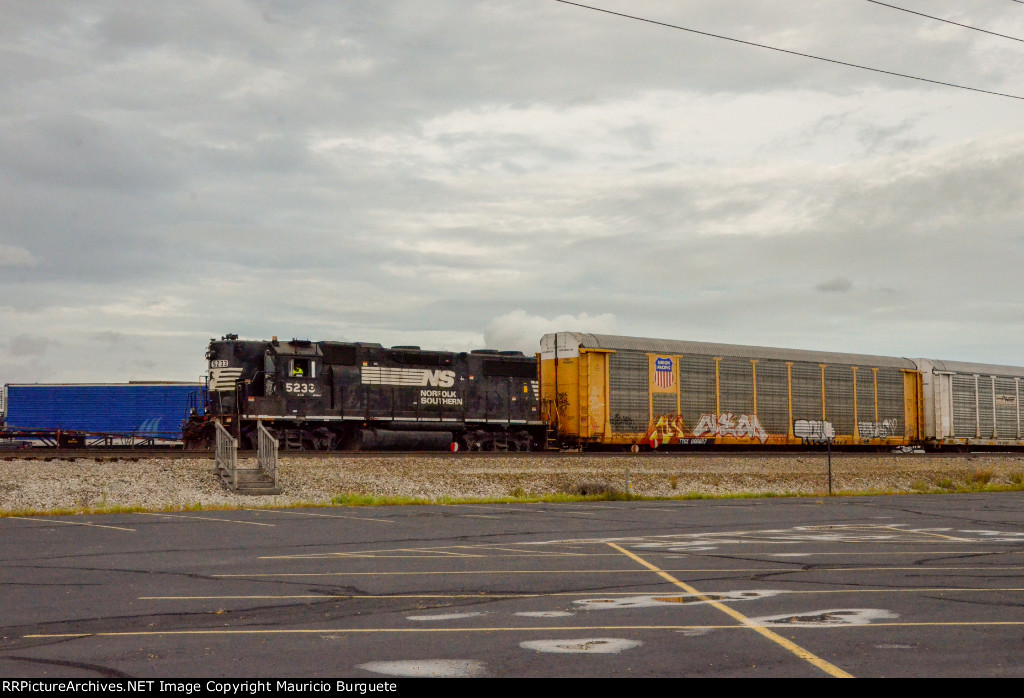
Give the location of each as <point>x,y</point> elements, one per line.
<point>250,481</point>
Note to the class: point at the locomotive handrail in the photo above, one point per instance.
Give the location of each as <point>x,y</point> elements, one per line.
<point>266,451</point>
<point>226,452</point>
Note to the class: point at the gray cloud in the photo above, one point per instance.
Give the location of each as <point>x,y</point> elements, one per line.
<point>15,256</point>
<point>460,174</point>
<point>109,337</point>
<point>837,285</point>
<point>520,330</point>
<point>28,345</point>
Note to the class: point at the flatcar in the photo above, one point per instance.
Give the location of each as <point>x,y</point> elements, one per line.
<point>330,396</point>
<point>600,391</point>
<point>100,414</point>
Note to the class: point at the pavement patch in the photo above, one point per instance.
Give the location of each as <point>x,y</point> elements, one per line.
<point>648,601</point>
<point>446,616</point>
<point>596,645</point>
<point>827,618</point>
<point>441,668</point>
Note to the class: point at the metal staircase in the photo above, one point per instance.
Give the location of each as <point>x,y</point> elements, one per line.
<point>251,481</point>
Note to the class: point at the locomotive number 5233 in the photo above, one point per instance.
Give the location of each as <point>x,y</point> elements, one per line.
<point>300,388</point>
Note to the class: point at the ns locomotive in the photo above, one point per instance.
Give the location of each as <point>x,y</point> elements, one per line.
<point>331,396</point>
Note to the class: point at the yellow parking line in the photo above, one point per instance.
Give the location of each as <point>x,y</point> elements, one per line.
<point>436,553</point>
<point>918,590</point>
<point>341,596</point>
<point>929,553</point>
<point>492,508</point>
<point>554,628</point>
<point>425,554</point>
<point>796,649</point>
<point>284,631</point>
<point>206,518</point>
<point>582,594</point>
<point>325,516</point>
<point>384,553</point>
<point>719,570</point>
<point>70,523</point>
<point>929,533</point>
<point>454,572</point>
<point>523,553</point>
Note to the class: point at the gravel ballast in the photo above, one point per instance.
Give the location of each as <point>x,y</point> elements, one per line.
<point>161,484</point>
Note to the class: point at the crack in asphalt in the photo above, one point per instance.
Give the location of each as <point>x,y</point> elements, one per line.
<point>272,615</point>
<point>974,602</point>
<point>97,668</point>
<point>168,573</point>
<point>49,584</point>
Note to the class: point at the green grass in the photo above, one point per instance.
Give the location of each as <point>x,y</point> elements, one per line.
<point>352,499</point>
<point>973,483</point>
<point>117,509</point>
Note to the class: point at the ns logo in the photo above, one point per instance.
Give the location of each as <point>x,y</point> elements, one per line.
<point>409,377</point>
<point>440,379</point>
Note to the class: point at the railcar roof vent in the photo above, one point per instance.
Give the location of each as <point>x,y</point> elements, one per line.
<point>407,347</point>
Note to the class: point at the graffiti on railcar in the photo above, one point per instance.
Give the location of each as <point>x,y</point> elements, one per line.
<point>815,431</point>
<point>743,426</point>
<point>878,430</point>
<point>667,428</point>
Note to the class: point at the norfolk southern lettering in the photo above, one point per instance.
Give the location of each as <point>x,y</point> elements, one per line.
<point>439,397</point>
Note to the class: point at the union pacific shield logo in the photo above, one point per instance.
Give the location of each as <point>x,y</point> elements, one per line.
<point>664,376</point>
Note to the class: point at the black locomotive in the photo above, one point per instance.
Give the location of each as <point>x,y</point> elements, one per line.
<point>330,396</point>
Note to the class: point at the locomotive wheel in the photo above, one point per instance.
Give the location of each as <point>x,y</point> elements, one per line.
<point>349,440</point>
<point>323,439</point>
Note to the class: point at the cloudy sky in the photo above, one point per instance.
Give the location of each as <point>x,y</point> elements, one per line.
<point>469,173</point>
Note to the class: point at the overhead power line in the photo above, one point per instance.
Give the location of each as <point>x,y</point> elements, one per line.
<point>792,53</point>
<point>947,21</point>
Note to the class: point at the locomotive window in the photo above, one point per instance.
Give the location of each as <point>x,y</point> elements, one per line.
<point>269,364</point>
<point>301,368</point>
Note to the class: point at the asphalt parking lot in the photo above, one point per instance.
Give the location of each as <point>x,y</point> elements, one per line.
<point>865,586</point>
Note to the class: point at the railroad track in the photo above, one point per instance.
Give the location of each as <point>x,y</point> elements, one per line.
<point>107,453</point>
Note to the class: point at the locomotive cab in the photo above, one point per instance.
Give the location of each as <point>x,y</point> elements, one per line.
<point>292,371</point>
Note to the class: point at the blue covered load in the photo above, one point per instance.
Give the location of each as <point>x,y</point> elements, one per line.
<point>145,410</point>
